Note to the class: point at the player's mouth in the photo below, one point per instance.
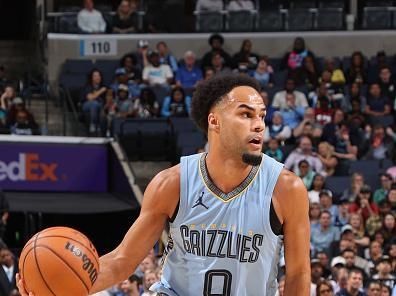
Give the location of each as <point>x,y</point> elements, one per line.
<point>256,142</point>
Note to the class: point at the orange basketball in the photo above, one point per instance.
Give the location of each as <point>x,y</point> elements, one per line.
<point>59,261</point>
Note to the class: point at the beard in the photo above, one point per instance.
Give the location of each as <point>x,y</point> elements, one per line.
<point>252,159</point>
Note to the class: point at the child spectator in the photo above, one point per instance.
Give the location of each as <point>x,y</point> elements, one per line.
<point>277,130</point>
<point>263,73</point>
<point>146,105</point>
<point>273,150</point>
<point>316,188</point>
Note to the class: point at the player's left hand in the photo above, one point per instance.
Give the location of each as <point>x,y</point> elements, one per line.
<point>21,286</point>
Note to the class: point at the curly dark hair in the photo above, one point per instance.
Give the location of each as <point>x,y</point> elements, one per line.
<point>210,92</point>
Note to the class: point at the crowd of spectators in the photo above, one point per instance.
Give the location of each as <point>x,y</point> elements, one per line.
<point>15,117</point>
<point>324,117</point>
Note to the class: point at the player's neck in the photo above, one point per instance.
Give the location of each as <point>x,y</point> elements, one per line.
<point>226,172</point>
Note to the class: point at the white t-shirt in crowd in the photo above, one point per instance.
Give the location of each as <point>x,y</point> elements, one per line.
<point>91,21</point>
<point>157,75</point>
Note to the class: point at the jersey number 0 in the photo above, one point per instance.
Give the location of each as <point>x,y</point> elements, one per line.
<point>227,278</point>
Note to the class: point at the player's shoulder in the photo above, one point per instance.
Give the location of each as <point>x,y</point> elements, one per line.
<point>289,185</point>
<point>167,180</point>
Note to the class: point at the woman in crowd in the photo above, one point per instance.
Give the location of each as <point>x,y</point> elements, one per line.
<point>147,105</point>
<point>245,58</point>
<point>93,98</point>
<point>388,228</point>
<point>324,288</point>
<point>357,72</point>
<point>317,186</point>
<point>326,156</point>
<point>358,230</point>
<point>177,104</point>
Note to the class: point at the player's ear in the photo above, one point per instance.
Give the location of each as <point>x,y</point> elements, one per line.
<point>213,122</point>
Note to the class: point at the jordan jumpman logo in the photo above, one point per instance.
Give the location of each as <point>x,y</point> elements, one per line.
<point>199,202</point>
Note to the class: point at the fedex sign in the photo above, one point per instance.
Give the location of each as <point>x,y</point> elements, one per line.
<point>28,168</point>
<point>53,167</point>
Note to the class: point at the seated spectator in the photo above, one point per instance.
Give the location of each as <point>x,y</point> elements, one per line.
<point>122,77</point>
<point>357,73</point>
<point>125,104</point>
<point>217,64</point>
<point>337,76</point>
<point>209,5</point>
<point>166,57</point>
<point>273,150</point>
<point>279,100</point>
<point>308,119</point>
<point>354,284</point>
<point>93,98</point>
<point>326,204</point>
<point>344,148</point>
<point>304,151</point>
<point>177,104</point>
<point>305,173</point>
<point>324,288</point>
<point>310,75</point>
<point>128,63</point>
<point>387,83</point>
<point>377,105</point>
<point>89,20</point>
<point>363,205</point>
<point>18,105</point>
<point>314,214</point>
<point>341,278</point>
<point>374,253</point>
<point>323,236</point>
<point>269,109</point>
<point>359,233</point>
<point>216,42</point>
<point>277,130</point>
<point>388,228</point>
<point>209,73</point>
<point>238,5</point>
<point>384,275</point>
<point>329,130</point>
<point>146,105</point>
<point>324,107</point>
<point>126,19</point>
<point>356,116</point>
<point>316,187</point>
<point>343,215</point>
<point>4,79</point>
<point>351,193</point>
<point>245,58</point>
<point>293,60</point>
<point>110,110</point>
<point>292,114</point>
<point>329,161</point>
<point>316,273</point>
<point>130,287</point>
<point>354,94</point>
<point>188,75</point>
<point>379,145</point>
<point>149,278</point>
<point>263,73</point>
<point>6,98</point>
<point>156,74</point>
<point>23,126</point>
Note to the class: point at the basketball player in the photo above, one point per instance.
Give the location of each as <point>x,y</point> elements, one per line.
<point>229,209</point>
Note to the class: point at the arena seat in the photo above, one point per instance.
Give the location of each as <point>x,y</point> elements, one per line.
<point>337,184</point>
<point>270,20</point>
<point>209,22</point>
<point>375,18</point>
<point>330,19</point>
<point>299,20</point>
<point>240,21</point>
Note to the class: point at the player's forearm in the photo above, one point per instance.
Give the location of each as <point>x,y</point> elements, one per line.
<point>111,272</point>
<point>300,282</point>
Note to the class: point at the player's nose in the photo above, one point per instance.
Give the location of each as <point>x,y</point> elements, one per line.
<point>258,124</point>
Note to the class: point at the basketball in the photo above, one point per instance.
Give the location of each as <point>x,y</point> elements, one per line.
<point>59,261</point>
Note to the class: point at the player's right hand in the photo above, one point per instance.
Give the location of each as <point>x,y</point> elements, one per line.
<point>21,286</point>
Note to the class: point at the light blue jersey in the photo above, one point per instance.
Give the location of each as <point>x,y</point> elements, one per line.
<point>222,244</point>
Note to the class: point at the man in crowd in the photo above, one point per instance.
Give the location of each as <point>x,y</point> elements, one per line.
<point>90,20</point>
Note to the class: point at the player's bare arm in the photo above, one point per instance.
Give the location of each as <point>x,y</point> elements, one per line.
<point>291,205</point>
<point>159,203</point>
